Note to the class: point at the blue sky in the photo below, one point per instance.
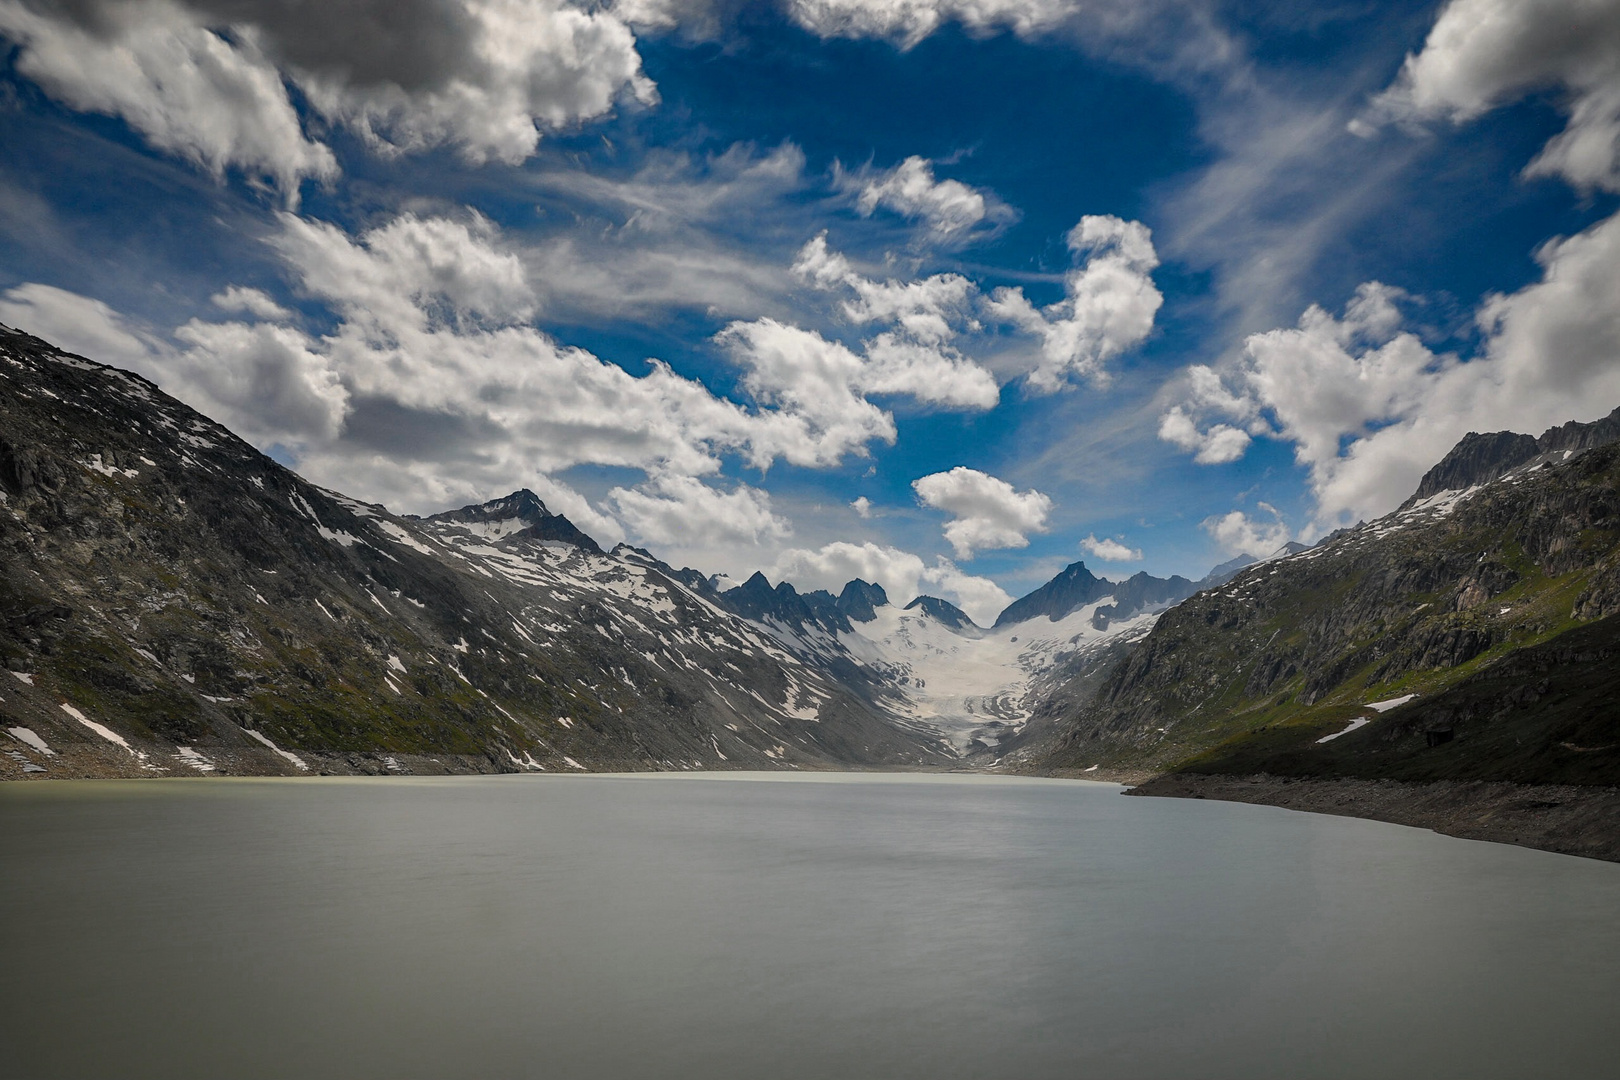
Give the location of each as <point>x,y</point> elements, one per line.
<point>943,294</point>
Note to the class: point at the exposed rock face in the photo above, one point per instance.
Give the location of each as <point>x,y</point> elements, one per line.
<point>168,594</point>
<point>1479,459</point>
<point>861,599</point>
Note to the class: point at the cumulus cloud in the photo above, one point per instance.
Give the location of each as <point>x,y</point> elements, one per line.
<point>684,512</point>
<point>862,507</point>
<point>1369,408</point>
<point>987,512</point>
<point>191,91</point>
<point>430,386</point>
<point>208,80</point>
<point>1108,306</point>
<point>1110,550</point>
<point>79,325</point>
<point>906,22</point>
<point>950,209</point>
<point>253,301</point>
<point>1238,533</point>
<point>903,576</point>
<point>1484,53</point>
<point>814,382</point>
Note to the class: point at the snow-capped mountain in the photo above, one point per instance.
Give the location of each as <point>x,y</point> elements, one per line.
<point>937,673</point>
<point>175,600</point>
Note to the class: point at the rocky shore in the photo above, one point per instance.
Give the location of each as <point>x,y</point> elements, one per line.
<point>1571,820</point>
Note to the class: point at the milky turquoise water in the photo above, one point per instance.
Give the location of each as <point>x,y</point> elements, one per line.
<point>718,927</point>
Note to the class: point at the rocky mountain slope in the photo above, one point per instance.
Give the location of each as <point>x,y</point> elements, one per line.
<point>172,600</point>
<point>1470,635</point>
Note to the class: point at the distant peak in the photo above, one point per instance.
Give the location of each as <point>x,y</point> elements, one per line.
<point>942,611</point>
<point>522,505</point>
<point>522,513</point>
<point>860,599</point>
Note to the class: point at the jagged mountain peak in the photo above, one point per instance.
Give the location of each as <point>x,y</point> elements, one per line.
<point>522,505</point>
<point>518,514</point>
<point>860,599</point>
<point>1480,458</point>
<point>1075,587</point>
<point>942,611</point>
<point>1221,574</point>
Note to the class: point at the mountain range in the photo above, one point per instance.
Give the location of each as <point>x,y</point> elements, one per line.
<point>172,600</point>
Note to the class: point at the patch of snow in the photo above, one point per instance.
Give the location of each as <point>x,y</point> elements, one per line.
<point>572,764</point>
<point>400,535</point>
<point>1385,706</point>
<point>1358,722</point>
<point>25,677</point>
<point>100,729</point>
<point>189,756</point>
<point>29,738</point>
<point>394,664</point>
<point>297,762</point>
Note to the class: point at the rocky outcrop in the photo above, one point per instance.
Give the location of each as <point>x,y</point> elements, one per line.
<point>1479,459</point>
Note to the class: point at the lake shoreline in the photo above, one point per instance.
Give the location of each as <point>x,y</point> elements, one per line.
<point>1562,818</point>
<point>1567,819</point>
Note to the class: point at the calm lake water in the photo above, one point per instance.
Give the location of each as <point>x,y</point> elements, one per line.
<point>769,926</point>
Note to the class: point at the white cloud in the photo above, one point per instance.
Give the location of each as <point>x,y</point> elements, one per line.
<point>862,507</point>
<point>1109,303</point>
<point>1481,54</point>
<point>253,301</point>
<point>79,325</point>
<point>1239,534</point>
<point>430,387</point>
<point>930,310</point>
<point>1110,550</point>
<point>987,511</point>
<point>1216,445</point>
<point>209,80</point>
<point>410,271</point>
<point>903,576</point>
<point>683,512</point>
<point>950,208</point>
<point>906,22</point>
<point>1370,408</point>
<point>938,375</point>
<point>814,383</point>
<point>1109,306</point>
<point>268,383</point>
<point>189,90</point>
